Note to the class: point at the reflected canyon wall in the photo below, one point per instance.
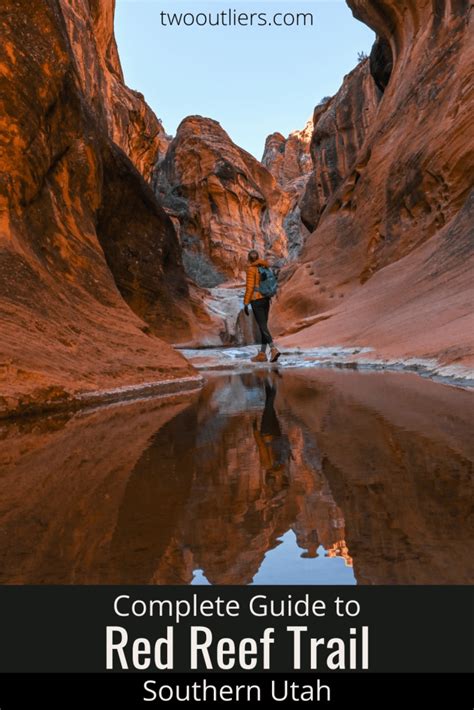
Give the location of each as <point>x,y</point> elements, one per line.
<point>375,468</point>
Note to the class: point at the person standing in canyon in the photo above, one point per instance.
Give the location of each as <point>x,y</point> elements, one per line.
<point>257,296</point>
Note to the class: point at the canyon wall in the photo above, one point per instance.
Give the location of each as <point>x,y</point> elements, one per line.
<point>340,128</point>
<point>224,201</point>
<point>91,268</point>
<point>79,227</point>
<point>289,158</point>
<point>390,261</point>
<point>130,122</point>
<point>289,161</point>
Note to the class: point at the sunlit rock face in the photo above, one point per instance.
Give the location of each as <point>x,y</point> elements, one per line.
<point>80,228</point>
<point>224,200</point>
<point>390,262</point>
<point>289,161</point>
<point>130,121</point>
<point>289,158</point>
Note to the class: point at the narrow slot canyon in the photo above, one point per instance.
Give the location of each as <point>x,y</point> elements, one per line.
<point>119,240</point>
<point>135,427</point>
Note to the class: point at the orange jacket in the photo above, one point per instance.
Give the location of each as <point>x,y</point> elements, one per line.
<point>253,281</point>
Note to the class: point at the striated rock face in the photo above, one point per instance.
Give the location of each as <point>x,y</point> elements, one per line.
<point>76,219</point>
<point>390,263</point>
<point>289,158</point>
<point>130,121</point>
<point>225,201</point>
<point>340,128</point>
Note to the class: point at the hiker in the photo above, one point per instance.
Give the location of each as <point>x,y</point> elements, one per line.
<point>256,296</point>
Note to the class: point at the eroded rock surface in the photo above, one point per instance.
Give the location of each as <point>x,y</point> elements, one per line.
<point>340,128</point>
<point>390,263</point>
<point>76,219</point>
<point>224,200</point>
<point>130,121</point>
<point>289,158</point>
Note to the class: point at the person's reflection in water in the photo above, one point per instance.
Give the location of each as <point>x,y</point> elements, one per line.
<point>273,445</point>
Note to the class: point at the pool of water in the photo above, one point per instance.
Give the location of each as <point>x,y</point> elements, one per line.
<point>265,477</point>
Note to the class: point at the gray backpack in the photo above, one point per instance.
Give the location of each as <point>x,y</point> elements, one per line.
<point>268,282</point>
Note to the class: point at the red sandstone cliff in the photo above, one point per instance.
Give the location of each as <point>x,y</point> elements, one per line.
<point>289,158</point>
<point>129,120</point>
<point>224,200</point>
<point>289,161</point>
<point>79,227</point>
<point>340,128</point>
<point>390,263</point>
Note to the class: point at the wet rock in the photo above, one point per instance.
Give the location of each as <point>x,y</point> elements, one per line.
<point>246,331</point>
<point>217,315</point>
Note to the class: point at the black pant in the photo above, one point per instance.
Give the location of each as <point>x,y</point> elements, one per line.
<point>261,309</point>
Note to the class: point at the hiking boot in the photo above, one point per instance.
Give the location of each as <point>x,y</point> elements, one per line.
<point>274,354</point>
<point>260,357</point>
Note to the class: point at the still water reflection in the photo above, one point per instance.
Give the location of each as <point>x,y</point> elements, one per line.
<point>298,477</point>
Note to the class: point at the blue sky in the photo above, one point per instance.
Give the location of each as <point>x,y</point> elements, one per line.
<point>253,80</point>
